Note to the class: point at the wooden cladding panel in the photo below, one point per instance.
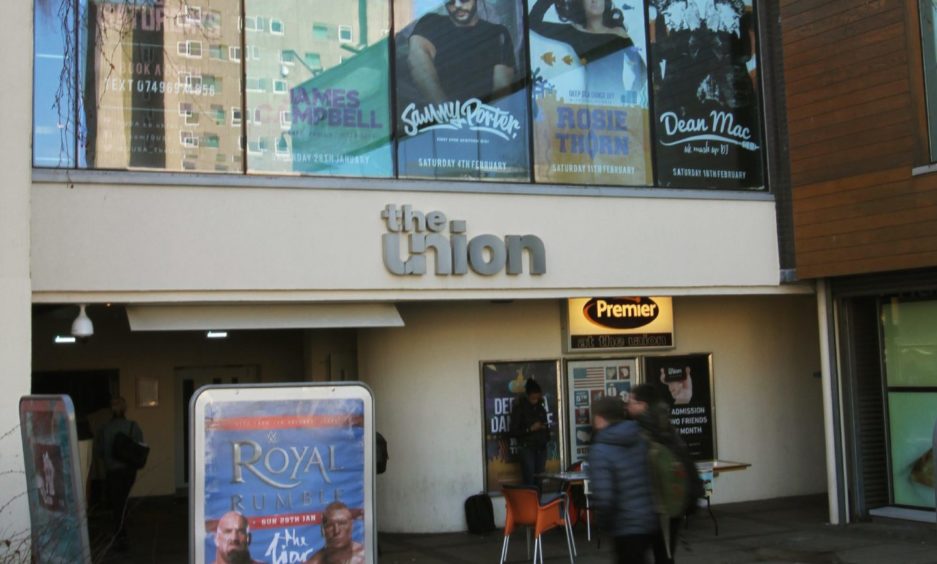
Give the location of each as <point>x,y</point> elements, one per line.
<point>854,134</point>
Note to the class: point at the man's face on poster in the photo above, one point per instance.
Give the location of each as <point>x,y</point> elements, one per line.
<point>336,528</point>
<point>462,12</point>
<point>231,537</point>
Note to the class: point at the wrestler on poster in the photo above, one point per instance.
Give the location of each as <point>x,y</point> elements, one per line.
<point>284,480</point>
<point>706,104</point>
<point>685,382</point>
<point>589,93</point>
<point>461,90</point>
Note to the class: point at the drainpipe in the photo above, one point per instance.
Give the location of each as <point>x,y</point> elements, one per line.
<point>830,406</point>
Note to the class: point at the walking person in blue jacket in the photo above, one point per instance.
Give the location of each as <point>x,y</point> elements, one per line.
<point>620,481</point>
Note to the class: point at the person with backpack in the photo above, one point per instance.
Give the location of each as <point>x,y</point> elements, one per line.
<point>119,474</point>
<point>677,471</point>
<point>620,481</point>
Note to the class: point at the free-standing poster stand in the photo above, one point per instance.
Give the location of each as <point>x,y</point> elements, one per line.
<point>273,464</point>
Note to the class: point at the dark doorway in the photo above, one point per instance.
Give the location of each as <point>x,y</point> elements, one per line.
<point>90,390</point>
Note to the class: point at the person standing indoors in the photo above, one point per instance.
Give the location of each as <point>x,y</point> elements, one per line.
<point>620,480</point>
<point>119,477</point>
<point>648,408</point>
<point>530,427</point>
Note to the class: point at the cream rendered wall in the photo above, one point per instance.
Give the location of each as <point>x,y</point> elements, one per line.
<point>222,244</point>
<point>425,378</point>
<point>16,116</point>
<point>279,354</point>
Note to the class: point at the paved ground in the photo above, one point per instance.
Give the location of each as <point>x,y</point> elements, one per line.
<point>790,530</point>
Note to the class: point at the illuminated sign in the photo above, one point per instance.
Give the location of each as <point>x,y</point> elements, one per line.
<point>619,323</point>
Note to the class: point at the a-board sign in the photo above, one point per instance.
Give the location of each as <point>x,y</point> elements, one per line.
<point>282,473</point>
<point>686,383</point>
<point>53,473</point>
<point>622,323</point>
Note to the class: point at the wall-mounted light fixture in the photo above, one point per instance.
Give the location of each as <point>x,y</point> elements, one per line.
<point>82,326</point>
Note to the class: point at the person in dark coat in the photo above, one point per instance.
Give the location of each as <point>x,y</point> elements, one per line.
<point>620,481</point>
<point>648,408</point>
<point>119,478</point>
<point>531,429</point>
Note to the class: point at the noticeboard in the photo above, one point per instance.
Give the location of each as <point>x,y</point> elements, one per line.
<point>686,383</point>
<point>587,381</point>
<point>502,384</point>
<point>56,496</point>
<point>274,464</point>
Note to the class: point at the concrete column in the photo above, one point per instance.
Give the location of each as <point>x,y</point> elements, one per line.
<point>830,406</point>
<point>15,316</point>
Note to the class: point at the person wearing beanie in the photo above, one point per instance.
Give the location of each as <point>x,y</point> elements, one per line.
<point>530,427</point>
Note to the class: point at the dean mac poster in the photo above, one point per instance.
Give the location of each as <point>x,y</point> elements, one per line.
<point>588,63</point>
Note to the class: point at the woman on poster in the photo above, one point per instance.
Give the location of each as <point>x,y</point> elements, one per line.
<point>595,30</point>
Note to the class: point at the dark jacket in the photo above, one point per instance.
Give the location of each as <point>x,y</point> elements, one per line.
<point>620,480</point>
<point>523,415</point>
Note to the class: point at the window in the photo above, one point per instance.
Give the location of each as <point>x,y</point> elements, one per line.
<point>212,21</point>
<point>320,31</point>
<point>288,57</point>
<point>191,15</point>
<point>210,140</point>
<point>344,34</point>
<point>217,52</point>
<point>253,52</point>
<point>313,61</point>
<point>235,116</point>
<point>286,119</point>
<point>928,10</point>
<point>258,146</point>
<point>190,48</point>
<point>188,139</point>
<point>276,26</point>
<point>282,148</point>
<point>280,86</point>
<point>218,112</point>
<point>256,85</point>
<point>250,24</point>
<point>234,53</point>
<point>193,83</point>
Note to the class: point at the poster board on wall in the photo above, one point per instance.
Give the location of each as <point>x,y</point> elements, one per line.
<point>686,383</point>
<point>587,381</point>
<point>56,496</point>
<point>279,461</point>
<point>912,416</point>
<point>502,383</point>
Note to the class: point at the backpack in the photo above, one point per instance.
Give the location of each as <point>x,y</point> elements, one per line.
<point>128,451</point>
<point>479,514</point>
<point>670,481</point>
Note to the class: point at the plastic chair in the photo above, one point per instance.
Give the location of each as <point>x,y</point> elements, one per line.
<point>524,509</point>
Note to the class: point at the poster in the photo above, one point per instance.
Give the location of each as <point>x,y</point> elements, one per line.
<point>912,416</point>
<point>461,88</point>
<point>318,80</point>
<point>704,69</point>
<point>503,384</point>
<point>587,381</point>
<point>910,340</point>
<point>56,496</point>
<point>589,92</point>
<point>685,381</point>
<point>283,473</point>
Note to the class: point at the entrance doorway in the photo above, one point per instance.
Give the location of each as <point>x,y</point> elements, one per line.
<point>188,380</point>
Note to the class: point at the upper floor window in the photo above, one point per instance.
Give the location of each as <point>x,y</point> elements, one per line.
<point>928,11</point>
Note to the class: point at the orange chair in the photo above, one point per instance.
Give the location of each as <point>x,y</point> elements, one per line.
<point>524,509</point>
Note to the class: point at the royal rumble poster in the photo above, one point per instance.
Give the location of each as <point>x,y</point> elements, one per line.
<point>706,103</point>
<point>589,92</point>
<point>461,90</point>
<point>284,480</point>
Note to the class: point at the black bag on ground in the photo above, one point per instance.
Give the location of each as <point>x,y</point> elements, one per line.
<point>129,451</point>
<point>479,514</point>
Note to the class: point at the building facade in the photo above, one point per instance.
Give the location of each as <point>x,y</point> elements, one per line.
<point>406,258</point>
<point>864,198</point>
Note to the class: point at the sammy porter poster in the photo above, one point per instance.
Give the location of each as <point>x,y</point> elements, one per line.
<point>284,478</point>
<point>589,92</point>
<point>461,90</point>
<point>706,108</point>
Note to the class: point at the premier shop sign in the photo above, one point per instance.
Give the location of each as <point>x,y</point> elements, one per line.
<point>596,324</point>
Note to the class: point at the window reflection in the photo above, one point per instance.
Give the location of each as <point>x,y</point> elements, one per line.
<point>318,90</point>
